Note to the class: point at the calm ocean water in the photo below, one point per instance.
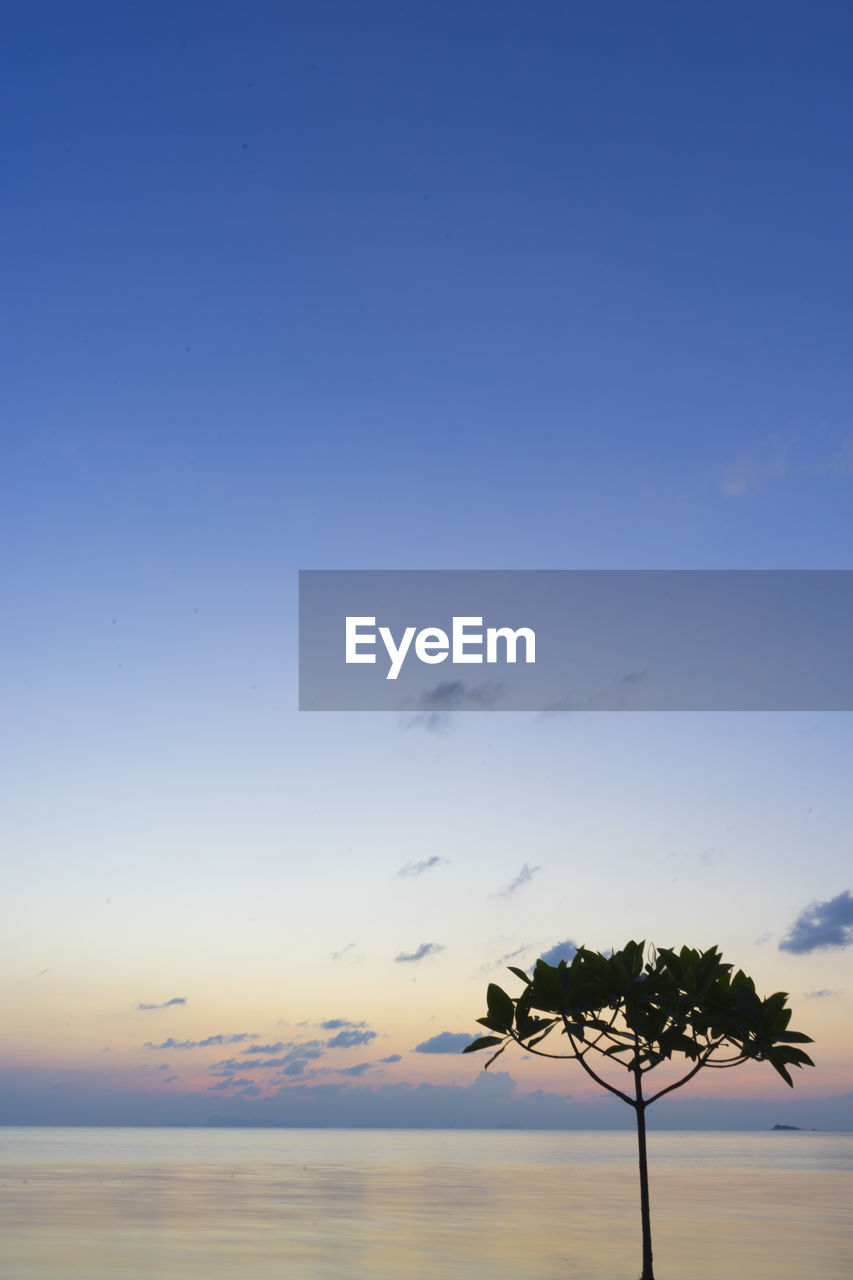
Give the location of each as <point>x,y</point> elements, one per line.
<point>321,1204</point>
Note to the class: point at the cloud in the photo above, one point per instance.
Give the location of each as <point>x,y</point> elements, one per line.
<point>839,463</point>
<point>229,1083</point>
<point>200,1044</point>
<point>432,722</point>
<point>392,1057</point>
<point>304,1051</point>
<point>424,950</point>
<point>357,1070</point>
<point>452,695</point>
<point>347,1039</point>
<point>165,1005</point>
<point>418,868</point>
<point>265,1048</point>
<point>524,876</point>
<point>349,1033</point>
<point>296,1067</point>
<point>618,694</point>
<point>634,677</point>
<point>489,1102</point>
<point>823,994</point>
<point>504,959</point>
<point>778,456</point>
<point>339,955</point>
<point>168,1079</point>
<point>561,951</point>
<point>748,471</point>
<point>250,1091</point>
<point>821,924</point>
<point>445,1042</point>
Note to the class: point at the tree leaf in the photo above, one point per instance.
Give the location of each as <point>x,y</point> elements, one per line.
<point>492,1024</point>
<point>500,1005</point>
<point>484,1042</point>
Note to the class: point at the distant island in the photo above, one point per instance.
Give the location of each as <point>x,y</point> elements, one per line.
<point>794,1127</point>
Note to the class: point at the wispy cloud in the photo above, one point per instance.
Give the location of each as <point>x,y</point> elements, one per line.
<point>431,721</point>
<point>524,876</point>
<point>618,693</point>
<point>749,470</point>
<point>296,1066</point>
<point>165,1005</point>
<point>823,994</point>
<point>505,959</point>
<point>249,1091</point>
<point>778,456</point>
<point>445,1042</point>
<point>392,1057</point>
<point>634,677</point>
<point>348,954</point>
<point>349,1033</point>
<point>424,950</point>
<point>821,924</point>
<point>295,1052</point>
<point>201,1044</point>
<point>358,1070</point>
<point>451,695</point>
<point>565,950</point>
<point>837,463</point>
<point>457,695</point>
<point>418,868</point>
<point>349,1038</point>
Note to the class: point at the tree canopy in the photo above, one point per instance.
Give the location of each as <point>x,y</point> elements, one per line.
<point>640,1013</point>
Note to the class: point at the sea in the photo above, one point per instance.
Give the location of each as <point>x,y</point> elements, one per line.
<point>377,1204</point>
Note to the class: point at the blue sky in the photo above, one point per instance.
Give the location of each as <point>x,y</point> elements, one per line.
<point>374,286</point>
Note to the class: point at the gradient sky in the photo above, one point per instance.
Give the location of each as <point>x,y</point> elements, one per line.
<point>402,286</point>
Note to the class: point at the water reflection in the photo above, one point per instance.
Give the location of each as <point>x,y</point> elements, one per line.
<point>359,1204</point>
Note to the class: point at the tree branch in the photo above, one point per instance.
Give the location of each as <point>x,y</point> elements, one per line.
<point>611,1088</point>
<point>608,1031</point>
<point>540,1053</point>
<point>701,1062</point>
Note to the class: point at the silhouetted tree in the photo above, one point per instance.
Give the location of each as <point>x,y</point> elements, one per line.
<point>639,1012</point>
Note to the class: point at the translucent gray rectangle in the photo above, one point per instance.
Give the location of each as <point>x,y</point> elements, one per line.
<point>583,640</point>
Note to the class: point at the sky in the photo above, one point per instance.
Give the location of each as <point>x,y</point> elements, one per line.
<point>406,286</point>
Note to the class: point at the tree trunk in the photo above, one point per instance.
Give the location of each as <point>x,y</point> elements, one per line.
<point>648,1271</point>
